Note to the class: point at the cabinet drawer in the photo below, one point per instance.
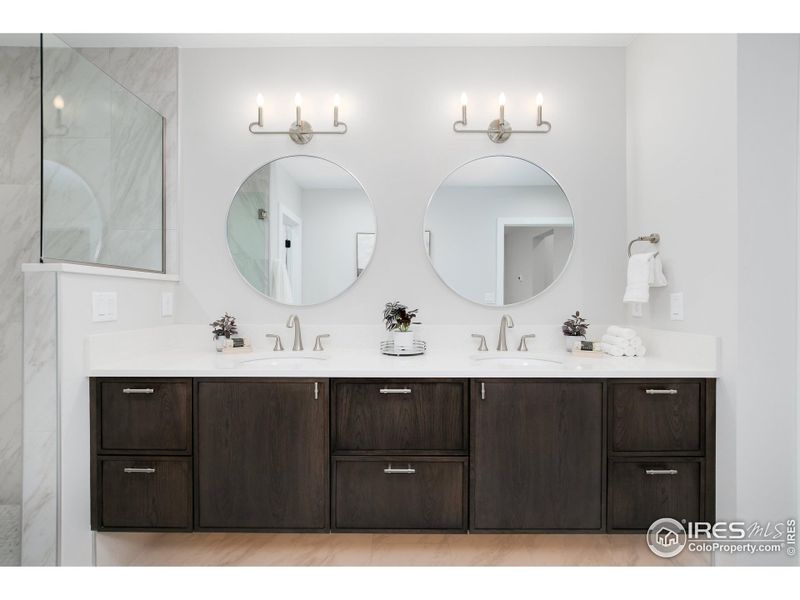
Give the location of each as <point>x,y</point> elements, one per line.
<point>656,417</point>
<point>642,491</point>
<point>145,416</point>
<point>400,493</point>
<point>145,493</point>
<point>402,416</point>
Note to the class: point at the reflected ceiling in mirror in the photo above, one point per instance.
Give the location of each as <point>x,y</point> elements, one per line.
<point>499,230</point>
<point>301,230</point>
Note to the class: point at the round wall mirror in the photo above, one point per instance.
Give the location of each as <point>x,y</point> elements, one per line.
<point>301,230</point>
<point>499,230</point>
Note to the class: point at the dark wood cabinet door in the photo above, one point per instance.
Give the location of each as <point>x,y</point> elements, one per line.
<point>537,456</point>
<point>261,455</point>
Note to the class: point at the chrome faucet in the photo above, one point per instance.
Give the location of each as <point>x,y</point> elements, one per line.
<point>294,321</point>
<point>505,323</point>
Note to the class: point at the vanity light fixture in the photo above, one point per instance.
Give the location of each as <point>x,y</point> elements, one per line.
<point>499,129</point>
<point>300,132</point>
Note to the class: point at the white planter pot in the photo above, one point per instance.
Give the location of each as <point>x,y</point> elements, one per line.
<point>219,342</point>
<point>403,340</point>
<point>569,341</point>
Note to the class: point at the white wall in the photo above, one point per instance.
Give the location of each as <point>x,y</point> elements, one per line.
<point>766,453</point>
<point>400,105</point>
<point>712,167</point>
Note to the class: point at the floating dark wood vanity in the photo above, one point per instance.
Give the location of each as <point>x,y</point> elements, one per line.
<point>400,455</point>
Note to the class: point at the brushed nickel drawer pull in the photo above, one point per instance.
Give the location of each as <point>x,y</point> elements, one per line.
<point>395,390</point>
<point>661,471</point>
<point>483,391</point>
<point>138,391</point>
<point>409,470</point>
<point>139,470</point>
<point>671,391</point>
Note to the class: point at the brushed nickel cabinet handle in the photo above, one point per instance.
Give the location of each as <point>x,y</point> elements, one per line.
<point>139,470</point>
<point>390,470</point>
<point>671,391</point>
<point>661,471</point>
<point>395,391</point>
<point>138,391</point>
<point>483,391</point>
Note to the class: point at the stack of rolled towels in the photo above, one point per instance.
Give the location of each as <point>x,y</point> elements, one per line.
<point>622,341</point>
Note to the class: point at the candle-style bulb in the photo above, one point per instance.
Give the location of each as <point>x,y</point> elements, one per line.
<point>58,103</point>
<point>463,99</point>
<point>337,101</point>
<point>539,100</point>
<point>260,101</point>
<point>502,99</point>
<point>298,100</point>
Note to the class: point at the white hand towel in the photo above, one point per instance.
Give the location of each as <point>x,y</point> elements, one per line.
<point>657,278</point>
<point>622,332</point>
<point>612,350</point>
<point>280,284</point>
<point>613,340</point>
<point>638,287</point>
<point>640,351</point>
<point>635,342</point>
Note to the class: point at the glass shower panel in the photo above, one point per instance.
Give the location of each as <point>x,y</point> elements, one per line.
<point>102,167</point>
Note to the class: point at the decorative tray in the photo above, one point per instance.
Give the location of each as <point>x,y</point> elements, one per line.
<point>416,349</point>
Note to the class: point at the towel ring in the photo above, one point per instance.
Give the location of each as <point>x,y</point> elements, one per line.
<point>653,238</point>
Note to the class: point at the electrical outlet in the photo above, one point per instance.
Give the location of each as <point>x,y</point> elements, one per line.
<point>636,309</point>
<point>167,301</point>
<point>104,306</point>
<point>676,306</point>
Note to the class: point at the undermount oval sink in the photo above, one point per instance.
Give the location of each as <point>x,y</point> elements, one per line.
<point>514,360</point>
<point>281,359</point>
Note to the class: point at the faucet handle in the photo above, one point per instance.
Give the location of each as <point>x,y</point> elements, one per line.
<point>318,343</point>
<point>482,347</point>
<point>523,345</point>
<point>278,343</point>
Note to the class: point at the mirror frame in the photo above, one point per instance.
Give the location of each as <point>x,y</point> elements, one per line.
<point>571,250</point>
<point>233,261</point>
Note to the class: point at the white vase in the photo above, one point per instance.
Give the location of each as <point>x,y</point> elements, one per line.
<point>219,342</point>
<point>569,341</point>
<point>403,340</point>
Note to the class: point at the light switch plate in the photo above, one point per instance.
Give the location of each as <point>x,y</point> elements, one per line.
<point>104,306</point>
<point>676,306</point>
<point>166,304</point>
<point>636,309</point>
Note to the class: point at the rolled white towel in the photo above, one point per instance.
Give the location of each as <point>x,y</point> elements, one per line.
<point>640,351</point>
<point>612,350</point>
<point>622,332</point>
<point>635,342</point>
<point>615,341</point>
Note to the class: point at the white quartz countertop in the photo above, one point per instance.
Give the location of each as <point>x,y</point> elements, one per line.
<point>370,363</point>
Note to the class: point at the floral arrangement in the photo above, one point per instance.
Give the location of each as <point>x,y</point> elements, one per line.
<point>225,326</point>
<point>397,316</point>
<point>575,326</point>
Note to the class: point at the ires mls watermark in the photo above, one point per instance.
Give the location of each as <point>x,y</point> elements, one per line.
<point>667,537</point>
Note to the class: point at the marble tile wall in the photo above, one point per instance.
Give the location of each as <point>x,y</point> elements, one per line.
<point>19,243</point>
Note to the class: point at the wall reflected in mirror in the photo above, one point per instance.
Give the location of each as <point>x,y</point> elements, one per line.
<point>504,230</point>
<point>301,230</point>
<point>102,166</point>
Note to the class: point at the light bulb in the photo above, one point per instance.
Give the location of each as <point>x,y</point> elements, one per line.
<point>260,101</point>
<point>463,99</point>
<point>337,101</point>
<point>539,99</point>
<point>298,100</point>
<point>502,99</point>
<point>58,103</point>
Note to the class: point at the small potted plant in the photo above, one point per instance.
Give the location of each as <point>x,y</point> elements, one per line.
<point>573,328</point>
<point>398,319</point>
<point>224,328</point>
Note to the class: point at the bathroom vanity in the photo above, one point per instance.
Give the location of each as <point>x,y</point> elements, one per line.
<point>408,454</point>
